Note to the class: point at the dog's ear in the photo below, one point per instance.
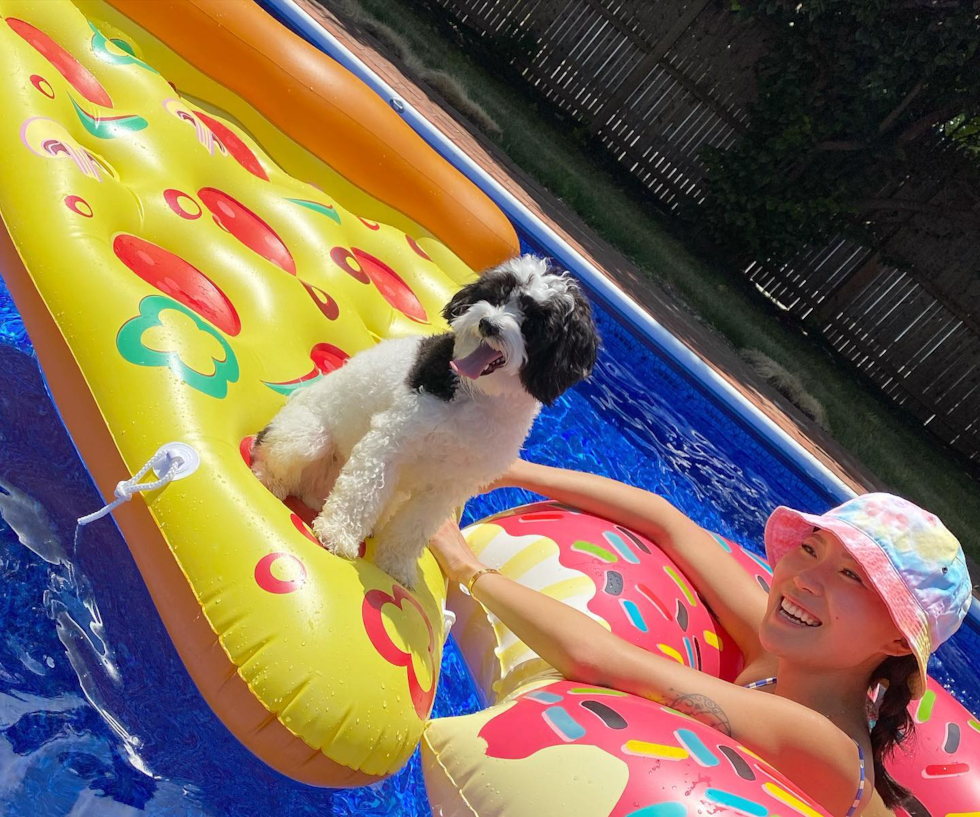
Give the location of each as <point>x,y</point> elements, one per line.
<point>561,348</point>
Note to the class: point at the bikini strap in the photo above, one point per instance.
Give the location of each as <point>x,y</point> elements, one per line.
<point>861,782</point>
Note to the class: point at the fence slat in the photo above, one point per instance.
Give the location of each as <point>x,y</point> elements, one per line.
<point>656,83</point>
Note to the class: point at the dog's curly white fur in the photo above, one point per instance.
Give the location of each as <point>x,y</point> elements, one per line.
<point>406,431</point>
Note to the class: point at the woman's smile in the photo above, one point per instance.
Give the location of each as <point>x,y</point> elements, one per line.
<point>796,614</point>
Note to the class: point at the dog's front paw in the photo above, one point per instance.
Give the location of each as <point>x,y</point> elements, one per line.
<point>336,538</point>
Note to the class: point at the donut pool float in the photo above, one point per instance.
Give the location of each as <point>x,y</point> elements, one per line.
<point>544,745</point>
<point>200,214</point>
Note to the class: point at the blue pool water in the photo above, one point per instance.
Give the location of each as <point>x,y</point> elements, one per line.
<point>98,716</point>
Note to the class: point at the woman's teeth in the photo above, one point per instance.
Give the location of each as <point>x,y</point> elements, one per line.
<point>798,614</point>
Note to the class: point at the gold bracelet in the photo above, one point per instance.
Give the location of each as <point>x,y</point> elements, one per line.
<point>475,576</point>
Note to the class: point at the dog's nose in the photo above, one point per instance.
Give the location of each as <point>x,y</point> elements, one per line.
<point>488,328</point>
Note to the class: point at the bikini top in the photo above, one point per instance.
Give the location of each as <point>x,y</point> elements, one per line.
<point>860,792</point>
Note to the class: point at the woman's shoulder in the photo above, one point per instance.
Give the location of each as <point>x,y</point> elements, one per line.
<point>829,764</point>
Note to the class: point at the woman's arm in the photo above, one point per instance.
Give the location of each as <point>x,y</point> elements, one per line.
<point>737,601</point>
<point>810,750</point>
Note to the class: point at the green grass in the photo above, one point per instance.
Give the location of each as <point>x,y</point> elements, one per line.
<point>902,455</point>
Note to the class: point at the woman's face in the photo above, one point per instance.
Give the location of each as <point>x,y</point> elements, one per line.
<point>824,612</point>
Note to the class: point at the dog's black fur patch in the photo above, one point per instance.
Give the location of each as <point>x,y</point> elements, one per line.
<point>431,372</point>
<point>493,287</point>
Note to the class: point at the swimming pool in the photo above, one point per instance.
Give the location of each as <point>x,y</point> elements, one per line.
<point>95,703</point>
<point>96,710</point>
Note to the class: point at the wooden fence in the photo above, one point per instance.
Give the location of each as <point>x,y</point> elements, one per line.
<point>656,83</point>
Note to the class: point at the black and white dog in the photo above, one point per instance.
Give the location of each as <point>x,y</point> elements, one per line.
<point>406,431</point>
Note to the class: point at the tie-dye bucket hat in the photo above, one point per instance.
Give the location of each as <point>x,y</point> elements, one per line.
<point>915,564</point>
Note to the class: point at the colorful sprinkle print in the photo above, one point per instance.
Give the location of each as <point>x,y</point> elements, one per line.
<point>790,800</point>
<point>739,765</point>
<point>661,810</point>
<point>716,770</point>
<point>634,615</point>
<point>701,753</point>
<point>688,593</point>
<point>735,802</point>
<point>636,540</point>
<point>614,583</point>
<point>651,597</point>
<point>621,547</point>
<point>924,710</point>
<point>643,748</point>
<point>594,550</point>
<point>543,697</point>
<point>563,724</point>
<point>610,717</point>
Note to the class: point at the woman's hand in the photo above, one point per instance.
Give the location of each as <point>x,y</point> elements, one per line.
<point>453,554</point>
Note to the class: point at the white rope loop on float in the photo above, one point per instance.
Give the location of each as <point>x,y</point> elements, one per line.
<point>171,462</point>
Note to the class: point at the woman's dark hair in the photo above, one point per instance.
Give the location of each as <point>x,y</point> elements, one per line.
<point>894,724</point>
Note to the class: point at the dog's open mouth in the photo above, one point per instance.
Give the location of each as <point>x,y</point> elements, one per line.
<point>483,361</point>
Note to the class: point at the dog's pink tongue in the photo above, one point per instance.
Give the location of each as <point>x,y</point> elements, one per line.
<point>473,364</point>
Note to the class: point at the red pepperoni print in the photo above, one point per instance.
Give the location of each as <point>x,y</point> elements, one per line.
<point>77,75</point>
<point>268,581</point>
<point>392,288</point>
<point>173,276</point>
<point>301,525</point>
<point>235,146</point>
<point>415,246</point>
<point>327,305</point>
<point>42,85</point>
<point>78,205</point>
<point>327,357</point>
<point>182,204</point>
<point>304,513</point>
<point>345,259</point>
<point>247,227</point>
<point>245,449</point>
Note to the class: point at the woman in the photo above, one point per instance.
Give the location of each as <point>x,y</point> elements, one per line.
<point>860,596</point>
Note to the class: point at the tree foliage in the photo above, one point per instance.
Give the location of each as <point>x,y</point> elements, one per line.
<point>854,97</point>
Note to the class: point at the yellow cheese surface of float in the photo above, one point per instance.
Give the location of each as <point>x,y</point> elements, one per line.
<point>191,265</point>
